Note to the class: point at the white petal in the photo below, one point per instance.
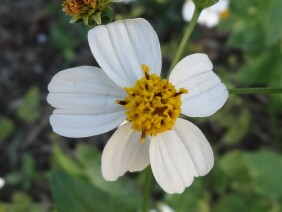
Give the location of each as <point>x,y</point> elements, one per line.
<point>203,17</point>
<point>78,126</point>
<point>124,152</point>
<point>206,93</point>
<point>85,101</point>
<point>122,47</point>
<point>187,10</point>
<point>84,90</point>
<point>220,6</point>
<point>211,19</point>
<point>196,144</point>
<point>208,18</point>
<point>179,155</point>
<point>2,182</point>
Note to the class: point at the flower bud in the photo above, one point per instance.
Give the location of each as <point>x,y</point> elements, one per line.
<point>202,4</point>
<point>90,12</point>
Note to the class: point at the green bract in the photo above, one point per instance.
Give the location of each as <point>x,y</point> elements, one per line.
<point>202,4</point>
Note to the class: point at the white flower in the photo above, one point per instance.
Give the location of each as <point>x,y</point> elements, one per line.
<point>210,16</point>
<point>2,182</point>
<point>91,101</point>
<point>162,208</point>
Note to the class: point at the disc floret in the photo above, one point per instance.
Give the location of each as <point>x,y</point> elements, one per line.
<point>153,104</point>
<point>90,12</point>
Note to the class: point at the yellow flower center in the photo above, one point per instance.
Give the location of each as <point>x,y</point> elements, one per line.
<point>152,104</point>
<point>225,14</point>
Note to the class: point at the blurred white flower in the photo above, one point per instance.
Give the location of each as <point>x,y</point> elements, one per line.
<point>2,182</point>
<point>166,208</point>
<point>210,16</point>
<point>91,101</point>
<point>162,208</point>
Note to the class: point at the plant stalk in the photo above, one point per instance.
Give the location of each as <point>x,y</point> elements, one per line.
<point>146,194</point>
<point>185,39</point>
<point>255,91</point>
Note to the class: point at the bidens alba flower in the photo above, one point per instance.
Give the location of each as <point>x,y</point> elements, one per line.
<point>91,101</point>
<point>2,182</point>
<point>210,16</point>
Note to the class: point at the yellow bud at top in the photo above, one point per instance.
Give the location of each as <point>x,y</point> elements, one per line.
<point>91,12</point>
<point>72,7</point>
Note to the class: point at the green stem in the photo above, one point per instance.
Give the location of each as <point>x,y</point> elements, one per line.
<point>185,38</point>
<point>255,90</point>
<point>146,194</point>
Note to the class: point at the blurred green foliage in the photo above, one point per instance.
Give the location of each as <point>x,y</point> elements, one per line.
<point>28,110</point>
<point>255,27</point>
<point>6,128</point>
<point>242,181</point>
<point>26,176</point>
<point>65,36</point>
<point>71,194</point>
<point>86,168</point>
<point>21,202</point>
<point>236,123</point>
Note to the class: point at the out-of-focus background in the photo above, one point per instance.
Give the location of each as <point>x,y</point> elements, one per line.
<point>37,41</point>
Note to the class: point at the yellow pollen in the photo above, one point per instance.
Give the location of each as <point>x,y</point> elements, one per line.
<point>77,7</point>
<point>152,104</point>
<point>225,14</point>
<point>72,7</point>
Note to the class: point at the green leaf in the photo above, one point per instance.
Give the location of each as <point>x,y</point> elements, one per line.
<point>71,194</point>
<point>4,206</point>
<point>256,70</point>
<point>124,189</point>
<point>239,127</point>
<point>265,168</point>
<point>220,179</point>
<point>273,26</point>
<point>21,202</point>
<point>189,200</point>
<point>6,128</point>
<point>28,110</point>
<point>88,167</point>
<point>260,68</point>
<point>26,176</point>
<point>233,165</point>
<point>231,203</point>
<point>28,170</point>
<point>235,122</point>
<point>65,163</point>
<point>259,172</point>
<point>67,37</point>
<point>250,202</point>
<point>247,37</point>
